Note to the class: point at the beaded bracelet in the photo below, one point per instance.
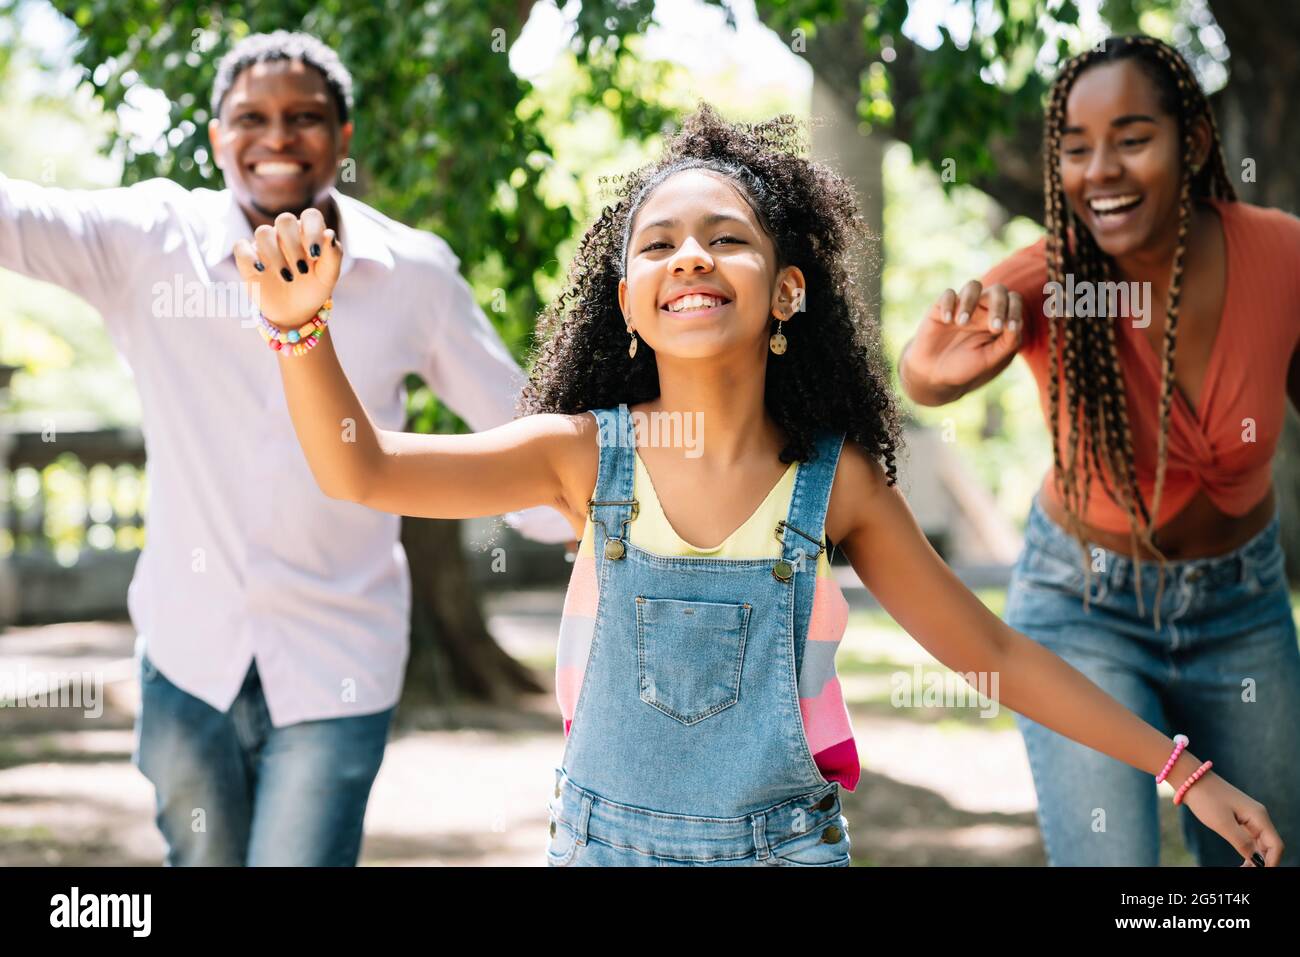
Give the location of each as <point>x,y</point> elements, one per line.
<point>298,341</point>
<point>1180,742</point>
<point>1192,779</point>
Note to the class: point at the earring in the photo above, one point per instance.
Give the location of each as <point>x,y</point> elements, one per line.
<point>631,349</point>
<point>777,342</point>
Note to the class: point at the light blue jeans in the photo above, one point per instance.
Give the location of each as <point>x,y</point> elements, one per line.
<point>233,789</point>
<point>1224,669</point>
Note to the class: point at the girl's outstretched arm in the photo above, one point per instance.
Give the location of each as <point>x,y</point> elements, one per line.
<point>891,555</point>
<point>511,467</point>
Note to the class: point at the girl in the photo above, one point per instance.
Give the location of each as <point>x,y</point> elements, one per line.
<point>1138,195</point>
<point>708,729</point>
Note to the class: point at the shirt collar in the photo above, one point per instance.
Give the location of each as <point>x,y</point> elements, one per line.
<point>361,238</point>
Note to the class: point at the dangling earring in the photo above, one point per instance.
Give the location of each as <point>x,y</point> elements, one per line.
<point>777,342</point>
<point>631,349</point>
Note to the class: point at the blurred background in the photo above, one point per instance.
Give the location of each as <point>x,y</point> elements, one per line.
<point>494,124</point>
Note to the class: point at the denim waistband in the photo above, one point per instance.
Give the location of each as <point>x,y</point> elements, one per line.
<point>684,837</point>
<point>1118,569</point>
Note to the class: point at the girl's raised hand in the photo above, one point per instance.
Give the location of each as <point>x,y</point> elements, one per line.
<point>1236,817</point>
<point>291,267</point>
<point>962,344</point>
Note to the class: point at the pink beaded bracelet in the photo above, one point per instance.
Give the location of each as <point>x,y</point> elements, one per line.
<point>1192,779</point>
<point>1180,742</point>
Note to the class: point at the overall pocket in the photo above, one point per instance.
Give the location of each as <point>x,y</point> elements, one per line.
<point>690,655</point>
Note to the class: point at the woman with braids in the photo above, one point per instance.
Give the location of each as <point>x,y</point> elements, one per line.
<point>1152,560</point>
<point>695,670</point>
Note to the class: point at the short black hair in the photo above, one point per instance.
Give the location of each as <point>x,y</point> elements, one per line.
<point>284,45</point>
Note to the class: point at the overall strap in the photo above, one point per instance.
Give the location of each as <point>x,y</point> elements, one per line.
<point>802,532</point>
<point>612,506</point>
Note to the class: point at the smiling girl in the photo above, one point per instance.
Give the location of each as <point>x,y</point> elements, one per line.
<point>695,671</point>
<point>1150,442</point>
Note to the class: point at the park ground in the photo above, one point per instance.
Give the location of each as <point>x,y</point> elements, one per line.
<point>940,786</point>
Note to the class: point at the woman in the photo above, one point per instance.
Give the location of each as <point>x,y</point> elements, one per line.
<point>1194,633</point>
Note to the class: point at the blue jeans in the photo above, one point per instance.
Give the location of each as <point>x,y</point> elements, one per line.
<point>233,789</point>
<point>1223,668</point>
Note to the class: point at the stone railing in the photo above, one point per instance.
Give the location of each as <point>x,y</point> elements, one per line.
<point>72,506</point>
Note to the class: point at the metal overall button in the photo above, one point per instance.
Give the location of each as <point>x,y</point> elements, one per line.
<point>832,835</point>
<point>614,547</point>
<point>783,570</point>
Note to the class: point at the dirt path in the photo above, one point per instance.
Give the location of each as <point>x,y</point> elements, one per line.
<point>936,788</point>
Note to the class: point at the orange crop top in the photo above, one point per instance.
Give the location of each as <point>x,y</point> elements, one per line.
<point>1225,446</point>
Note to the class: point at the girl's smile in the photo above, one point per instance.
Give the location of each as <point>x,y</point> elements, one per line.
<point>702,274</point>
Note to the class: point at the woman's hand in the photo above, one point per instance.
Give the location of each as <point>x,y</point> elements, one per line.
<point>961,344</point>
<point>1237,818</point>
<point>291,268</point>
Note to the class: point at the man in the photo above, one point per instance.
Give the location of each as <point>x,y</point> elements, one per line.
<point>272,620</point>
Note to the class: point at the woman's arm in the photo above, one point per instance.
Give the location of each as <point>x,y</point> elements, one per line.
<point>511,467</point>
<point>891,555</point>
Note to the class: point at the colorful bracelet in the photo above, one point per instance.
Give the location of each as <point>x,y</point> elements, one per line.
<point>1180,742</point>
<point>1192,779</point>
<point>298,341</point>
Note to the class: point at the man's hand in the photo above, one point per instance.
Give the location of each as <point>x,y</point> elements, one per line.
<point>290,268</point>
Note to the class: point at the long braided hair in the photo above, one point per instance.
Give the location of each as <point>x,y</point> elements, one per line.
<point>1100,440</point>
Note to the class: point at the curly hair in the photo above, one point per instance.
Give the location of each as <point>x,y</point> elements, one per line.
<point>1088,359</point>
<point>833,375</point>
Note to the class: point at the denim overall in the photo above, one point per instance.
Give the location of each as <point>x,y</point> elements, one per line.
<point>687,743</point>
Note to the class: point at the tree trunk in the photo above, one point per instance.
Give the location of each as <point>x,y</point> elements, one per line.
<point>1259,119</point>
<point>454,658</point>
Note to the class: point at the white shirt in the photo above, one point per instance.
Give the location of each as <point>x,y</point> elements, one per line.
<point>245,557</point>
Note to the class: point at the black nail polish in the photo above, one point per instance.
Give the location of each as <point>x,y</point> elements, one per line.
<point>315,250</point>
<point>257,264</point>
<point>1259,861</point>
<point>284,272</point>
<point>335,242</point>
<point>302,266</point>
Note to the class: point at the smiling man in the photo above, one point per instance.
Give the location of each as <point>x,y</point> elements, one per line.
<point>272,620</point>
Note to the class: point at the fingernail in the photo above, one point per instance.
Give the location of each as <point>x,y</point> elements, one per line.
<point>285,274</point>
<point>257,264</point>
<point>1013,325</point>
<point>302,266</point>
<point>947,316</point>
<point>995,325</point>
<point>963,318</point>
<point>1259,861</point>
<point>315,250</point>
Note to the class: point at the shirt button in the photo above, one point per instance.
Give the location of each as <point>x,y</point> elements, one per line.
<point>831,835</point>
